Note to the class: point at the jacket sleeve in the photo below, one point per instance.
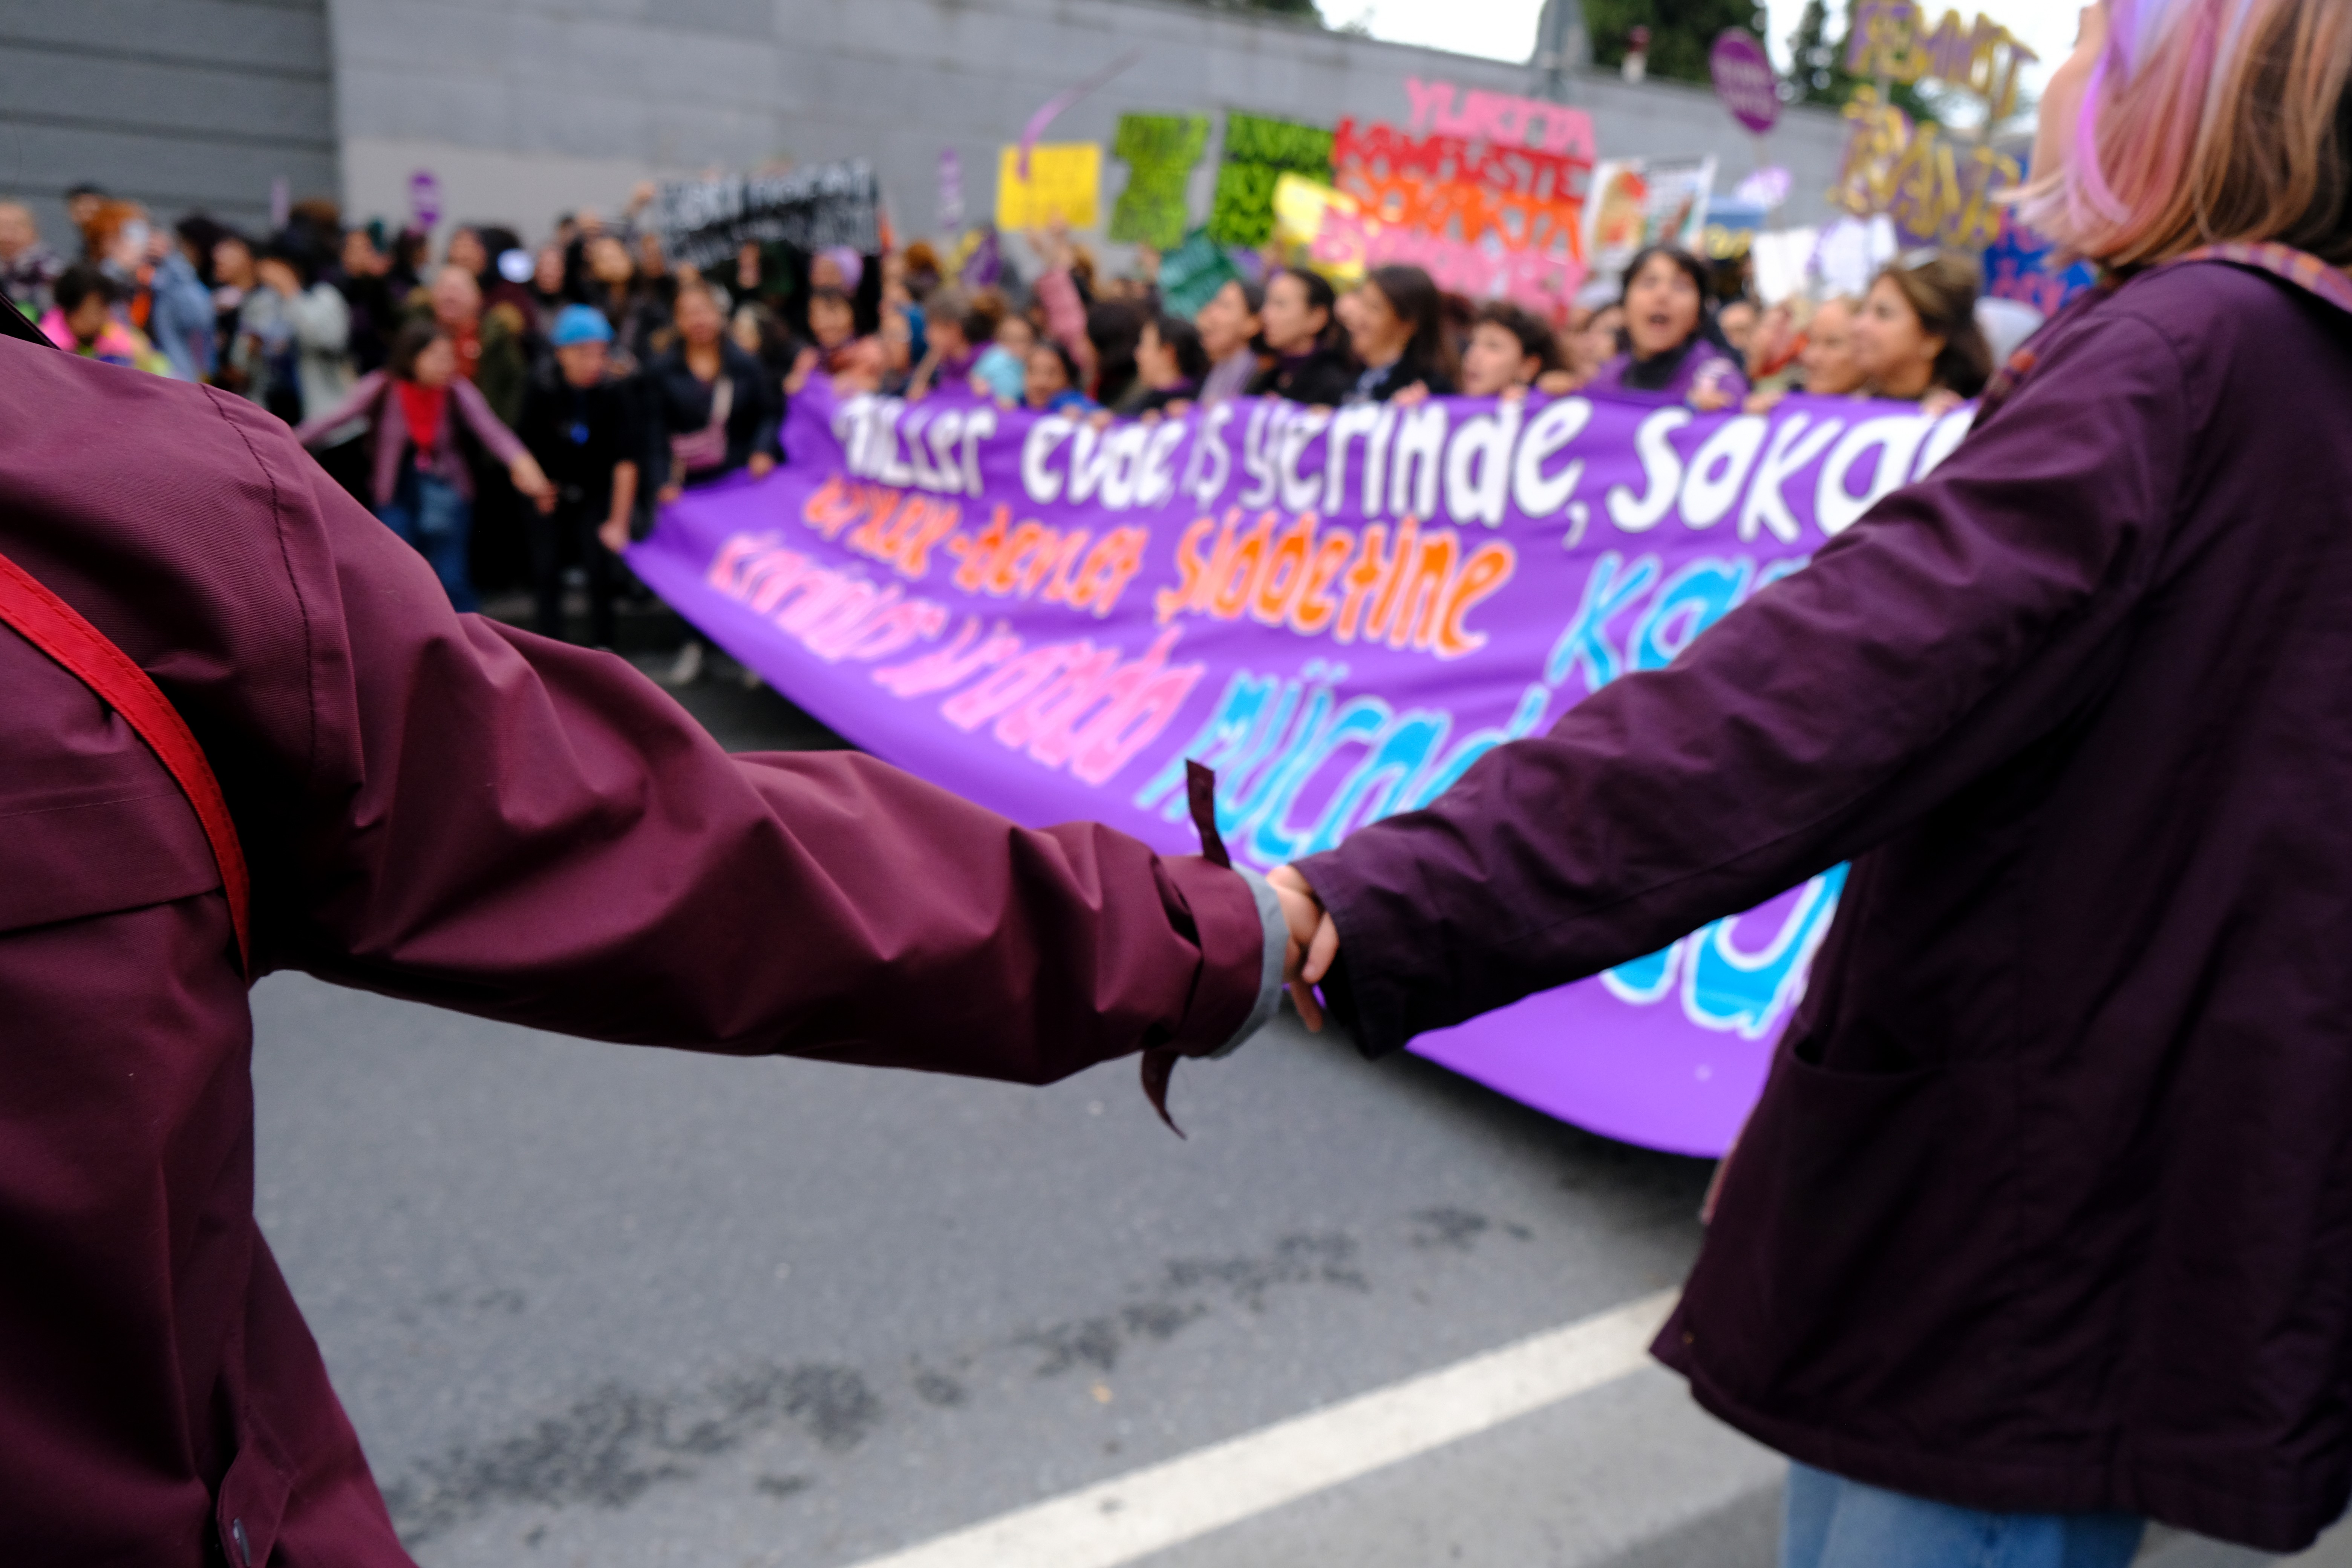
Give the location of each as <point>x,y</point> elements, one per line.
<point>1966,616</point>
<point>769,393</point>
<point>362,401</point>
<point>497,823</point>
<point>322,323</point>
<point>473,407</point>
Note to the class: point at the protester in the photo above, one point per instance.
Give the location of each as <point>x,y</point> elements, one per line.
<point>1114,329</point>
<point>579,422</point>
<point>640,318</point>
<point>27,267</point>
<point>961,326</point>
<point>83,204</point>
<point>1397,332</point>
<point>234,277</point>
<point>179,319</point>
<point>491,351</point>
<point>430,806</point>
<point>82,320</point>
<point>1170,363</point>
<point>1831,366</point>
<point>370,298</point>
<point>1776,342</point>
<point>1737,321</point>
<point>1510,349</point>
<point>420,412</point>
<point>1229,325</point>
<point>1673,349</point>
<point>1052,384</point>
<point>832,326</point>
<point>2038,1229</point>
<point>1596,340</point>
<point>711,411</point>
<point>1916,338</point>
<point>1003,369</point>
<point>292,333</point>
<point>1301,333</point>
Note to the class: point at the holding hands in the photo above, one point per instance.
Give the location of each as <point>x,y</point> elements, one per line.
<point>1314,942</point>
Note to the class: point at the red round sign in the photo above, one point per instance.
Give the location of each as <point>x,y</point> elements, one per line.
<point>1744,81</point>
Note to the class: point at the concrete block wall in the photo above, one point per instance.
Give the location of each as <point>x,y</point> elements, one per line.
<point>523,108</point>
<point>174,103</point>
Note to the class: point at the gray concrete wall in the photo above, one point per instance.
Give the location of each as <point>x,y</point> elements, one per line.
<point>174,103</point>
<point>524,108</point>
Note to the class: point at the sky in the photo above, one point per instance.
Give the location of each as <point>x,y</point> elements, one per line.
<point>1506,29</point>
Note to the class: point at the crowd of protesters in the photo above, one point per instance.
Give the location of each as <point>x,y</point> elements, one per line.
<point>517,414</point>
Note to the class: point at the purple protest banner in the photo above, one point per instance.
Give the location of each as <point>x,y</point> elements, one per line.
<point>1339,611</point>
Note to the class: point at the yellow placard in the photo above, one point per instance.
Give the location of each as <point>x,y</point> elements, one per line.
<point>1064,182</point>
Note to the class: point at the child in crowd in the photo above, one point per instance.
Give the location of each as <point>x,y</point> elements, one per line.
<point>82,321</point>
<point>1002,371</point>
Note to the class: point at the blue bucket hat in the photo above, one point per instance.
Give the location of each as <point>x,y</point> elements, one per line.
<point>580,325</point>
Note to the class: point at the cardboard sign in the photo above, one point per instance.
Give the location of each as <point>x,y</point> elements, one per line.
<point>1064,182</point>
<point>1258,153</point>
<point>1160,151</point>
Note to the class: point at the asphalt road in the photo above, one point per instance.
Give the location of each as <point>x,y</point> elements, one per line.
<point>596,1304</point>
<point>591,1304</point>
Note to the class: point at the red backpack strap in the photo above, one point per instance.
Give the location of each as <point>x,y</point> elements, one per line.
<point>57,629</point>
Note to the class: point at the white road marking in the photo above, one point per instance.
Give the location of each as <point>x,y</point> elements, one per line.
<point>1151,1509</point>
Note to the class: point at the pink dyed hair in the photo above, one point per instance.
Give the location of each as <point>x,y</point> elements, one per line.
<point>2208,120</point>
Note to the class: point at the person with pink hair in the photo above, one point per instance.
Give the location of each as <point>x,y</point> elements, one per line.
<point>2039,1231</point>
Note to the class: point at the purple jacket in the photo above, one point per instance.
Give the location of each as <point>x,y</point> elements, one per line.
<point>435,807</point>
<point>371,398</point>
<point>1700,360</point>
<point>2048,1203</point>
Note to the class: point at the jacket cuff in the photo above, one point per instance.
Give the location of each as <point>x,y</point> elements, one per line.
<point>1231,934</point>
<point>1269,979</point>
<point>1364,997</point>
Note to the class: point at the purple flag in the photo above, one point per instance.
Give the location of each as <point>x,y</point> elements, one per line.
<point>1339,611</point>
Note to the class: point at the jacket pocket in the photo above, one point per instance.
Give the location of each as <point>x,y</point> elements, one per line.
<point>1866,1242</point>
<point>252,1501</point>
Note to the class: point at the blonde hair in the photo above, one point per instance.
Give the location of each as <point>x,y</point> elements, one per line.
<point>2206,121</point>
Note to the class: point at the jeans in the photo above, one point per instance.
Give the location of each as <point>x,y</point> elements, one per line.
<point>570,530</point>
<point>437,521</point>
<point>1832,1522</point>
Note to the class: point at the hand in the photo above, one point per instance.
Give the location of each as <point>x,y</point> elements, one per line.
<point>1711,397</point>
<point>761,464</point>
<point>669,492</point>
<point>804,367</point>
<point>1940,402</point>
<point>615,533</point>
<point>1764,401</point>
<point>532,480</point>
<point>1556,383</point>
<point>1412,397</point>
<point>1314,942</point>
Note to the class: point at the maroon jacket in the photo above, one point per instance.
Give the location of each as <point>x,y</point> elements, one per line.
<point>435,807</point>
<point>2048,1204</point>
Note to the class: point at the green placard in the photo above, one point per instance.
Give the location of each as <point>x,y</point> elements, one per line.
<point>1160,151</point>
<point>1258,152</point>
<point>1191,275</point>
